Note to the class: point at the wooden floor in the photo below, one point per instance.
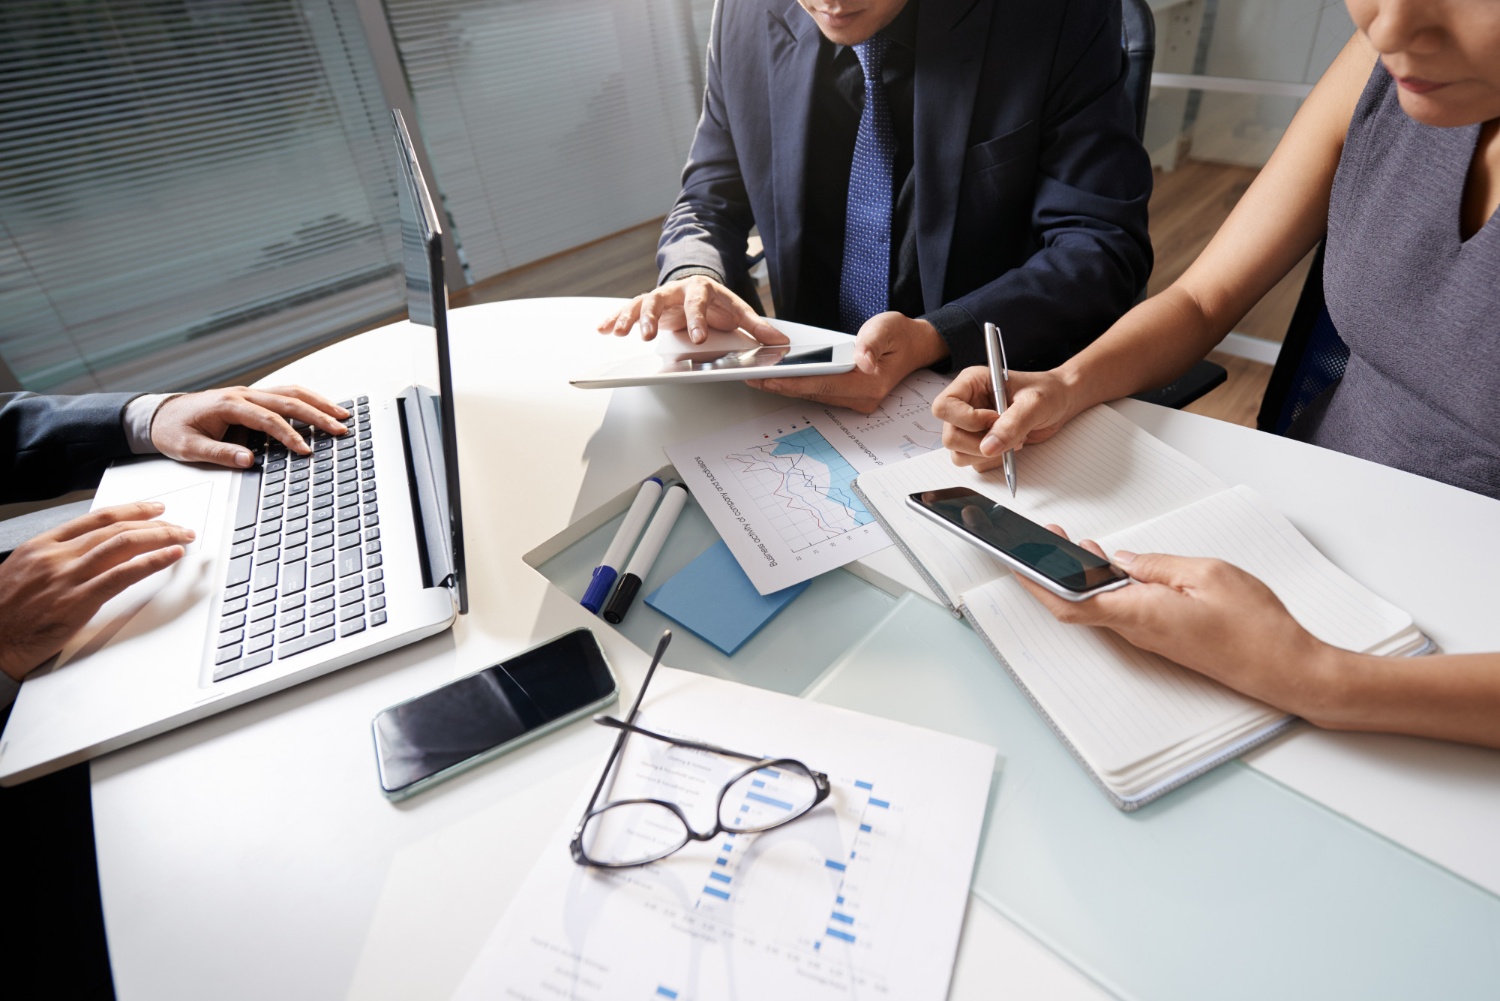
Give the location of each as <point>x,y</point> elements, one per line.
<point>620,265</point>
<point>1187,206</point>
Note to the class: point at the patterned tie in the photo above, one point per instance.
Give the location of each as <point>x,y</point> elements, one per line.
<point>864,282</point>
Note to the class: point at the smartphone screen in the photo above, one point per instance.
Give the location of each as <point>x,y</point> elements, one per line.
<point>1069,566</point>
<point>475,715</point>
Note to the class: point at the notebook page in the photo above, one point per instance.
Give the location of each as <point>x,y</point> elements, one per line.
<point>1099,474</point>
<point>1239,526</point>
<point>1119,706</point>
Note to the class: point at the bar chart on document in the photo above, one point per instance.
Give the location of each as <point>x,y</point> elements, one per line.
<point>859,898</point>
<point>778,487</point>
<point>798,903</point>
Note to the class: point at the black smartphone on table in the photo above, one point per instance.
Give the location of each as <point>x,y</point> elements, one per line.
<point>1067,570</point>
<point>425,740</point>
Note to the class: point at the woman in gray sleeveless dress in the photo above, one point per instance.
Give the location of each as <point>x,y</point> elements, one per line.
<point>1395,156</point>
<point>1417,294</point>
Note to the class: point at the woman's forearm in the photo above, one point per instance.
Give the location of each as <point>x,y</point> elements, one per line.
<point>1447,696</point>
<point>1279,219</point>
<point>1149,347</point>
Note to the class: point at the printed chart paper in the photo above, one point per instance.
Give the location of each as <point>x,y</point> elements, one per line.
<point>778,487</point>
<point>863,897</point>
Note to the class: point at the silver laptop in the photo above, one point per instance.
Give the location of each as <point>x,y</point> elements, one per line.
<point>302,564</point>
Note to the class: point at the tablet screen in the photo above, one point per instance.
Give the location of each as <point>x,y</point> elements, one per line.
<point>754,361</point>
<point>764,356</point>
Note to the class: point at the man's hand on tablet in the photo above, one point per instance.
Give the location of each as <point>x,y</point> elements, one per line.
<point>696,304</point>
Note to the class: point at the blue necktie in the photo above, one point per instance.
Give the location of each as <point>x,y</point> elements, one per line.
<point>864,282</point>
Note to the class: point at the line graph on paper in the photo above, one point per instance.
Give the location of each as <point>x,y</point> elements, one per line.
<point>801,484</point>
<point>780,487</point>
<point>904,420</point>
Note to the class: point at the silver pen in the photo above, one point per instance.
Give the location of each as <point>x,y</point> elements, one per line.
<point>999,382</point>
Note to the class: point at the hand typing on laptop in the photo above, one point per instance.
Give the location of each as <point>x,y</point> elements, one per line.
<point>52,584</point>
<point>191,428</point>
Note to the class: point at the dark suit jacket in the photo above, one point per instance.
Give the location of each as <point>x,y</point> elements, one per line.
<point>50,445</point>
<point>1031,186</point>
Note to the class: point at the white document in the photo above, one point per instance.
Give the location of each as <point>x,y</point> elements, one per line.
<point>862,897</point>
<point>778,487</point>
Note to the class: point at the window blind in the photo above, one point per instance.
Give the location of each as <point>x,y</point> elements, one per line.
<point>187,188</point>
<point>551,123</point>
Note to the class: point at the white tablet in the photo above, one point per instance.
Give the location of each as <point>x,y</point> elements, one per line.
<point>724,358</point>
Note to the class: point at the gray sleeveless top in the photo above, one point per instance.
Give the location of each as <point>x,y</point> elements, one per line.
<point>1418,306</point>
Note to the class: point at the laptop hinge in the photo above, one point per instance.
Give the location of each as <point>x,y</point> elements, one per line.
<point>420,436</point>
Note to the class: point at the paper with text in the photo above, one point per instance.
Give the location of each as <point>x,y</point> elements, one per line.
<point>863,897</point>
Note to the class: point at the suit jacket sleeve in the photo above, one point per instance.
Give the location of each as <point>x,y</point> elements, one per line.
<point>709,226</point>
<point>1093,253</point>
<point>50,445</point>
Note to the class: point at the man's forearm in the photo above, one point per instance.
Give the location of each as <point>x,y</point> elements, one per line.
<point>50,445</point>
<point>688,271</point>
<point>139,413</point>
<point>961,333</point>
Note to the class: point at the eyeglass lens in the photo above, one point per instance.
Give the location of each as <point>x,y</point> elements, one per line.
<point>767,797</point>
<point>634,832</point>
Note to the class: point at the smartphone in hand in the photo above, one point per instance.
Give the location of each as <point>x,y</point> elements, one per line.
<point>1067,570</point>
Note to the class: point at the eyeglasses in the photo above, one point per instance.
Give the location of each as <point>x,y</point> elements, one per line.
<point>632,832</point>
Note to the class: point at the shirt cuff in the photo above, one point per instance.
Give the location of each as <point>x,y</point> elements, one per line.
<point>139,413</point>
<point>688,271</point>
<point>963,335</point>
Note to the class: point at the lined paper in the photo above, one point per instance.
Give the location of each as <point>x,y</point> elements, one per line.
<point>1137,719</point>
<point>1136,716</point>
<point>1119,706</point>
<point>1241,527</point>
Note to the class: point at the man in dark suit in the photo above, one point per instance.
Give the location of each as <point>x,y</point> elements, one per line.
<point>50,586</point>
<point>915,168</point>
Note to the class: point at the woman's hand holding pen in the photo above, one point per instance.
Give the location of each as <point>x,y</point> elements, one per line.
<point>1040,404</point>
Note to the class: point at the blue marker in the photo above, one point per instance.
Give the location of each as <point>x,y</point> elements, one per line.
<point>630,530</point>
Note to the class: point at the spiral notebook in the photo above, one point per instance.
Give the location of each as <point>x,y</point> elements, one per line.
<point>1140,724</point>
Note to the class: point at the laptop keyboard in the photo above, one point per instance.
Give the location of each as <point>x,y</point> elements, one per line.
<point>305,567</point>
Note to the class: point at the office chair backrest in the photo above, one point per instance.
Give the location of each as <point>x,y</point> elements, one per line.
<point>1313,357</point>
<point>1138,39</point>
<point>1138,43</point>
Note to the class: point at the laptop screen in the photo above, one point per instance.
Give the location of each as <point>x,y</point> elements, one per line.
<point>429,416</point>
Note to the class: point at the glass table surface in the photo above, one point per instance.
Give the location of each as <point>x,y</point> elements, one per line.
<point>1232,886</point>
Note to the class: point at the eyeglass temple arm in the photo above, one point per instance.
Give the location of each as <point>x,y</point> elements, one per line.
<point>610,721</point>
<point>661,648</point>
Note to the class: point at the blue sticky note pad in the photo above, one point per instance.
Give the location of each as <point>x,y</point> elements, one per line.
<point>713,598</point>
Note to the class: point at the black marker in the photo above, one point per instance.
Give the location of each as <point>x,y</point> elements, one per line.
<point>646,552</point>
